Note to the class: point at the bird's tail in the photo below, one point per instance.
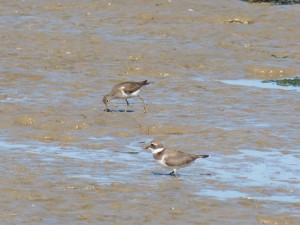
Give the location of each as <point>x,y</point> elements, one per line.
<point>202,156</point>
<point>145,82</point>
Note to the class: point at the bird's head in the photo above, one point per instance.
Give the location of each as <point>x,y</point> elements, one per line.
<point>106,99</point>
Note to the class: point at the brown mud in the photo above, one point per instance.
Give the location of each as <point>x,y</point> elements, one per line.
<point>66,161</point>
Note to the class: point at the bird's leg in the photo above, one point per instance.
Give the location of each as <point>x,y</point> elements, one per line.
<point>145,110</point>
<point>175,172</point>
<point>126,105</point>
<point>172,173</point>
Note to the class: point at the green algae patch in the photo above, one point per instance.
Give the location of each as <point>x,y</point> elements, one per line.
<point>295,82</point>
<point>279,2</point>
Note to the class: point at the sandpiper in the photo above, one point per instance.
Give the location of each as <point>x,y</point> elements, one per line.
<point>172,159</point>
<point>125,90</point>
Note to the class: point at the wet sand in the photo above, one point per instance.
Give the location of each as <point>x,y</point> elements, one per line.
<point>66,161</point>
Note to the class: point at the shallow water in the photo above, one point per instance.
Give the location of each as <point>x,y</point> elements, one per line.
<point>66,161</point>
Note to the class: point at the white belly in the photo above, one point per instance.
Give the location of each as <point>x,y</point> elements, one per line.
<point>163,164</point>
<point>134,94</point>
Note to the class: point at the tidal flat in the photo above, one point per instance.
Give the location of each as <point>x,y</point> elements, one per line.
<point>66,161</point>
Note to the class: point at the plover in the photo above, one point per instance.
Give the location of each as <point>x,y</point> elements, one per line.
<point>172,159</point>
<point>125,90</point>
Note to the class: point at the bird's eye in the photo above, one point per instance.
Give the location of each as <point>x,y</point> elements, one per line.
<point>153,145</point>
<point>106,100</point>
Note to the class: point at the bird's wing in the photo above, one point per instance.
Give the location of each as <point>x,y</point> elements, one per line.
<point>178,158</point>
<point>130,88</point>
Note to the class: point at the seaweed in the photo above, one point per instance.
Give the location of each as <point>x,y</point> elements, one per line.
<point>295,82</point>
<point>279,2</point>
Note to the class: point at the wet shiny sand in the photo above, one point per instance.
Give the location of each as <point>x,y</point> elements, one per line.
<point>66,161</point>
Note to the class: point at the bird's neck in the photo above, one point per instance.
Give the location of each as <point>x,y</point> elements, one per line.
<point>157,153</point>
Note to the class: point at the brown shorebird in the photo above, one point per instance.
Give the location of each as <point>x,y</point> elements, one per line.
<point>172,159</point>
<point>125,91</point>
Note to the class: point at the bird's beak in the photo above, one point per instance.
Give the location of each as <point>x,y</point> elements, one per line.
<point>106,109</point>
<point>147,147</point>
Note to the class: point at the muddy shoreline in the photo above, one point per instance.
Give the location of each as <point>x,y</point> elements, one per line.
<point>65,160</point>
